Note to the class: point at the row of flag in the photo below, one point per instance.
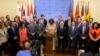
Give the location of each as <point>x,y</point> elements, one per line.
<point>25,8</point>
<point>82,10</point>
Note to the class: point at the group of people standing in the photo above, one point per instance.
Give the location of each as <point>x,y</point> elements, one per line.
<point>81,35</point>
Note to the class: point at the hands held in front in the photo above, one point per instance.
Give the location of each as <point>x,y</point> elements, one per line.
<point>71,38</point>
<point>61,37</point>
<point>83,38</point>
<point>15,38</point>
<point>33,34</point>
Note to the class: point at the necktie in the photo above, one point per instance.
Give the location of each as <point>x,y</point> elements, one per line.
<point>83,30</point>
<point>13,29</point>
<point>72,29</point>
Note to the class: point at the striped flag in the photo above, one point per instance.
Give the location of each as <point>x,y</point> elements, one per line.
<point>71,10</point>
<point>85,12</point>
<point>31,11</point>
<point>18,9</point>
<point>77,13</point>
<point>88,13</point>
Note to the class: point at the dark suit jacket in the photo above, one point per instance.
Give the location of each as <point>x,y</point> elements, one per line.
<point>78,25</point>
<point>74,33</point>
<point>61,32</point>
<point>40,29</point>
<point>85,32</point>
<point>45,22</point>
<point>12,33</point>
<point>31,29</point>
<point>66,24</point>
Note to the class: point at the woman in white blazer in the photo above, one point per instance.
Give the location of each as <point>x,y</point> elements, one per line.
<point>3,38</point>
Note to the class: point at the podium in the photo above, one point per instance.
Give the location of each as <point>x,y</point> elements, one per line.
<point>49,42</point>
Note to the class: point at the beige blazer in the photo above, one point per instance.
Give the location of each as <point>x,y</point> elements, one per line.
<point>52,29</point>
<point>3,36</point>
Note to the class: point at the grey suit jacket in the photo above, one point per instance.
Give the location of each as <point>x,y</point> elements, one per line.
<point>74,33</point>
<point>40,29</point>
<point>31,29</point>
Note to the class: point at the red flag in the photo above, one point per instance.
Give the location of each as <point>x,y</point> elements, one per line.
<point>18,9</point>
<point>77,14</point>
<point>31,9</point>
<point>28,12</point>
<point>72,11</point>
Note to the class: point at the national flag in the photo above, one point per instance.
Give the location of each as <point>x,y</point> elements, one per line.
<point>18,9</point>
<point>25,10</point>
<point>82,12</point>
<point>31,11</point>
<point>77,12</point>
<point>88,13</point>
<point>34,10</point>
<point>71,10</point>
<point>28,12</point>
<point>85,12</point>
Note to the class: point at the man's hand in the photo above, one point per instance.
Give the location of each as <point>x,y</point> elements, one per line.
<point>61,37</point>
<point>83,38</point>
<point>40,34</point>
<point>71,38</point>
<point>15,38</point>
<point>33,34</point>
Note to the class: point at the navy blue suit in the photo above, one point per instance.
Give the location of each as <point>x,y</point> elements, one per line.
<point>72,42</point>
<point>83,42</point>
<point>12,41</point>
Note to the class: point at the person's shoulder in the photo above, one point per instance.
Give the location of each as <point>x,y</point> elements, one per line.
<point>19,53</point>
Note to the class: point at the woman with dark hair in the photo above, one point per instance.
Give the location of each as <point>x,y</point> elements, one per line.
<point>94,33</point>
<point>51,28</point>
<point>22,34</point>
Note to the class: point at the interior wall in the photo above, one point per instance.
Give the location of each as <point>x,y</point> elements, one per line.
<point>8,7</point>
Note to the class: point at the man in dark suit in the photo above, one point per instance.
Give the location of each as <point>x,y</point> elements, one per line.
<point>67,24</point>
<point>31,30</point>
<point>44,20</point>
<point>23,20</point>
<point>40,28</point>
<point>58,21</point>
<point>84,29</point>
<point>8,20</point>
<point>90,23</point>
<point>78,25</point>
<point>18,24</point>
<point>72,31</point>
<point>13,38</point>
<point>61,32</point>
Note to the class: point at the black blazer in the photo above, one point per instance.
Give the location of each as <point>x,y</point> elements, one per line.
<point>45,22</point>
<point>12,33</point>
<point>66,24</point>
<point>61,32</point>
